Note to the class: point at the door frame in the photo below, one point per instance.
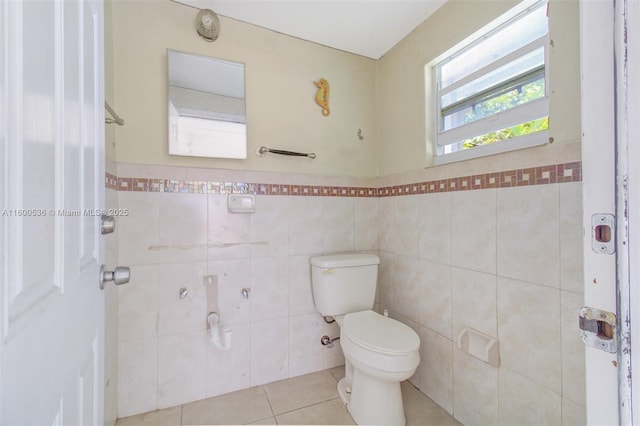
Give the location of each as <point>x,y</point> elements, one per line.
<point>610,153</point>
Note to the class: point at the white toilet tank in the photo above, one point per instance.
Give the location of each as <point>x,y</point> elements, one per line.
<point>344,283</point>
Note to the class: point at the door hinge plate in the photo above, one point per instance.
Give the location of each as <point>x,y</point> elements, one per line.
<point>598,329</point>
<point>603,233</point>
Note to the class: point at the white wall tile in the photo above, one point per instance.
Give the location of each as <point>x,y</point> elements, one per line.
<point>524,402</point>
<point>228,371</point>
<point>434,227</point>
<point>528,234</point>
<point>338,224</point>
<point>182,227</point>
<point>138,304</point>
<point>139,230</point>
<point>229,234</point>
<point>366,224</point>
<point>436,368</point>
<point>473,302</point>
<point>435,297</point>
<point>529,323</point>
<point>269,288</point>
<point>305,350</point>
<point>573,414</point>
<point>269,226</point>
<point>269,351</point>
<point>571,232</point>
<point>137,376</point>
<point>473,230</point>
<point>406,282</point>
<point>475,390</point>
<point>573,361</point>
<point>277,331</point>
<point>385,223</point>
<point>111,240</point>
<point>305,225</point>
<point>300,291</point>
<point>405,226</point>
<point>182,366</point>
<point>225,297</point>
<point>175,314</point>
<point>385,288</point>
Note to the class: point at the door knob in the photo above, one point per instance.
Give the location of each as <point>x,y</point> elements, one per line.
<point>120,275</point>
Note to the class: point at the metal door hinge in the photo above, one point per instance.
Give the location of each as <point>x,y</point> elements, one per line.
<point>598,329</point>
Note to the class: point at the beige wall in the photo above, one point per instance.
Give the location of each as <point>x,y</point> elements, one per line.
<point>281,110</point>
<point>403,130</point>
<point>109,95</point>
<point>384,98</point>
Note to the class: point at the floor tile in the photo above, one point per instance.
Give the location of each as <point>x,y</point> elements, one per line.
<point>422,411</point>
<point>327,413</point>
<point>301,391</point>
<point>305,400</point>
<point>267,421</point>
<point>245,406</point>
<point>337,372</point>
<point>166,417</point>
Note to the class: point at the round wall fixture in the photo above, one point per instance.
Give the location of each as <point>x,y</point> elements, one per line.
<point>208,24</point>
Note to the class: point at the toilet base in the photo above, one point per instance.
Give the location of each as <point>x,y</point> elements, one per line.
<point>372,401</point>
<point>344,391</point>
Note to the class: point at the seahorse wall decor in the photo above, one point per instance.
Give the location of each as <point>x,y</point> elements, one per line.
<point>322,97</point>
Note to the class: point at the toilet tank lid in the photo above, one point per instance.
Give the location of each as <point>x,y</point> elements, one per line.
<point>345,260</point>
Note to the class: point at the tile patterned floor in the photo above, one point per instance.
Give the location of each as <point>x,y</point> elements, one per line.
<point>305,400</point>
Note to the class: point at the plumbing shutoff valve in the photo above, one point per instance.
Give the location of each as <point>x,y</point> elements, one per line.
<point>327,341</point>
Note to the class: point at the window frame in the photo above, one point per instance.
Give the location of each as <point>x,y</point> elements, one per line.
<point>528,111</point>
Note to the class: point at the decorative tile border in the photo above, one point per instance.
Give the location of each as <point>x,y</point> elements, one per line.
<point>111,181</point>
<point>544,175</point>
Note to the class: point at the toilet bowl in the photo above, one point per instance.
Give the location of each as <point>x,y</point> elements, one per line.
<point>380,352</point>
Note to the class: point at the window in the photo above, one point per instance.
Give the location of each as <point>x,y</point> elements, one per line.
<point>491,93</point>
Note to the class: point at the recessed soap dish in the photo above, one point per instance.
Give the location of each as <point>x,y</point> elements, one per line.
<point>480,345</point>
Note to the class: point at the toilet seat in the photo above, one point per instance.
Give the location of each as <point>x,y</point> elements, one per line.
<point>379,333</point>
<point>379,342</point>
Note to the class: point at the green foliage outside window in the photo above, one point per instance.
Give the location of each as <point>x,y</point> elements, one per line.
<point>503,102</point>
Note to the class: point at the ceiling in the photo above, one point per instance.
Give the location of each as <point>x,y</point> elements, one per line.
<point>365,27</point>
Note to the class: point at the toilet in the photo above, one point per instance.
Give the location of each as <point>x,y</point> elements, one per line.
<point>379,352</point>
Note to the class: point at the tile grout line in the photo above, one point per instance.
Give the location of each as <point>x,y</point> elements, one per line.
<point>266,395</point>
<point>311,405</point>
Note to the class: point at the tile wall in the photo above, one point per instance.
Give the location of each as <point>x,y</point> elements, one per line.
<point>500,255</point>
<point>173,240</point>
<point>508,263</point>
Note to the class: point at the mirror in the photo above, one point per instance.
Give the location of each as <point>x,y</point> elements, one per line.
<point>206,107</point>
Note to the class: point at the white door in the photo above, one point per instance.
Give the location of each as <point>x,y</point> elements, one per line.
<point>610,153</point>
<point>52,183</point>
